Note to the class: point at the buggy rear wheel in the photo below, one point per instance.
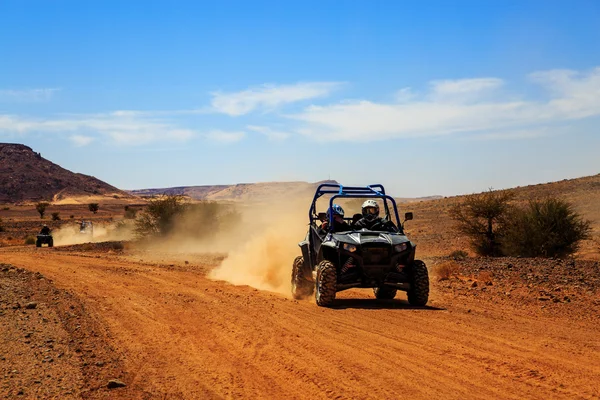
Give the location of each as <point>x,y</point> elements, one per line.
<point>418,294</point>
<point>325,285</point>
<point>301,287</point>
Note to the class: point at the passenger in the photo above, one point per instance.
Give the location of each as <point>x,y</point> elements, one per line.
<point>371,220</point>
<point>339,225</point>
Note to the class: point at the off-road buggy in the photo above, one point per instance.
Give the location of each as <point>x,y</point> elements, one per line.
<point>44,239</point>
<point>359,258</point>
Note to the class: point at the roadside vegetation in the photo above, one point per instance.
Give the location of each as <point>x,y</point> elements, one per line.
<point>541,228</point>
<point>41,208</point>
<point>173,214</point>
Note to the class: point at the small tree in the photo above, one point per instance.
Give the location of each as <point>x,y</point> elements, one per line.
<point>545,228</point>
<point>481,216</point>
<point>41,208</point>
<point>56,216</point>
<point>94,207</point>
<point>159,216</point>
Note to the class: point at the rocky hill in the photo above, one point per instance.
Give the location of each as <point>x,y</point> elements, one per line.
<point>26,176</point>
<point>246,192</point>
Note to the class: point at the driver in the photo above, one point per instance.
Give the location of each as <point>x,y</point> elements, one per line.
<point>339,225</point>
<point>45,230</point>
<point>371,220</point>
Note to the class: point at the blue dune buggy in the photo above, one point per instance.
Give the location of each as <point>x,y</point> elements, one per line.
<point>358,258</point>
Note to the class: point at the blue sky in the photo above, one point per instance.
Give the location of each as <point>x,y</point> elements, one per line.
<point>426,97</point>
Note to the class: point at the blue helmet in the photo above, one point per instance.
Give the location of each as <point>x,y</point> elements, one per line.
<point>337,209</point>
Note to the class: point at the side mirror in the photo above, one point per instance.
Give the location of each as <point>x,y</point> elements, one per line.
<point>322,216</point>
<point>408,216</point>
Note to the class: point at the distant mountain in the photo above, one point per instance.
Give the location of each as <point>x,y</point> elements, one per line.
<point>247,192</point>
<point>250,192</point>
<point>26,176</point>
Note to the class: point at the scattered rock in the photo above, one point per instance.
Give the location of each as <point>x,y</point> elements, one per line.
<point>31,305</point>
<point>115,383</point>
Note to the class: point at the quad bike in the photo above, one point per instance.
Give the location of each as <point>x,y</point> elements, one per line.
<point>383,260</point>
<point>44,239</point>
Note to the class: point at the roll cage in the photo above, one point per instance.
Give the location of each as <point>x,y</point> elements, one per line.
<point>375,191</point>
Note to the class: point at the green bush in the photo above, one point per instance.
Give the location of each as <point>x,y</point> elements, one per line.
<point>30,240</point>
<point>41,208</point>
<point>172,215</point>
<point>545,228</point>
<point>159,216</point>
<point>481,217</point>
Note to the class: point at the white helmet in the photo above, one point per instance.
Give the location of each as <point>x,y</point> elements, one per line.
<point>370,209</point>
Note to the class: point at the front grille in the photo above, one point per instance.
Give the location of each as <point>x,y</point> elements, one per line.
<point>376,255</point>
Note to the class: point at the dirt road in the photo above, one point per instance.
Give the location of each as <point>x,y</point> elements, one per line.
<point>185,336</point>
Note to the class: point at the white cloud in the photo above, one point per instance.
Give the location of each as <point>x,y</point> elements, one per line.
<point>80,140</point>
<point>455,106</point>
<point>268,132</point>
<point>514,135</point>
<point>225,137</point>
<point>122,129</point>
<point>268,97</point>
<point>27,95</point>
<point>445,87</point>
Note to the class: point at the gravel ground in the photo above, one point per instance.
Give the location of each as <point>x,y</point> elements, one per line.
<point>50,347</point>
<point>570,287</point>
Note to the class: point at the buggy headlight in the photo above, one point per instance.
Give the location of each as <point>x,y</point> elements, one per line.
<point>400,247</point>
<point>349,247</point>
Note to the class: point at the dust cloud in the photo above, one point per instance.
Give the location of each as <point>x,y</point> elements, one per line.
<point>264,260</point>
<point>70,234</point>
<point>259,245</point>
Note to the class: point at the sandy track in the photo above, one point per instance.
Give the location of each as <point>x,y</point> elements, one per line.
<point>185,336</point>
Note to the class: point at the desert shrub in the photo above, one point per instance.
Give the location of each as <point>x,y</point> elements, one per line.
<point>117,246</point>
<point>130,213</point>
<point>544,228</point>
<point>459,255</point>
<point>9,238</point>
<point>30,240</point>
<point>172,215</point>
<point>447,270</point>
<point>481,217</point>
<point>2,229</point>
<point>93,207</point>
<point>71,216</point>
<point>6,208</point>
<point>56,216</point>
<point>41,208</point>
<point>159,216</point>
